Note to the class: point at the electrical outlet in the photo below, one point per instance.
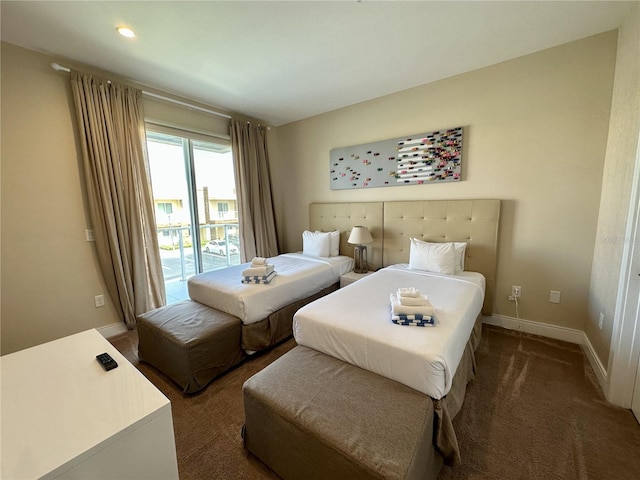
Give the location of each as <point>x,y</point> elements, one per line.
<point>99,301</point>
<point>516,291</point>
<point>601,321</point>
<point>554,296</point>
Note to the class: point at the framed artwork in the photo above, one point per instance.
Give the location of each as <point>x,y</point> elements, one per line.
<point>432,157</point>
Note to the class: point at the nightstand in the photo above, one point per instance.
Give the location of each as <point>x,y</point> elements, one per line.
<point>349,278</point>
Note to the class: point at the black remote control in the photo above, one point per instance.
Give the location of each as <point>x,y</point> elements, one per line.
<point>106,361</point>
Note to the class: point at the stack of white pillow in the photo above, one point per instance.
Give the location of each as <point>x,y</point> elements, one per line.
<point>447,257</point>
<point>321,244</point>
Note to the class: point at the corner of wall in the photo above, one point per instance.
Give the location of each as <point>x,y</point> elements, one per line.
<point>570,335</point>
<point>617,184</point>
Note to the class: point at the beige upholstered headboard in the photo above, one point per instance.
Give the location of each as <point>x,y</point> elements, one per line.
<point>327,217</point>
<point>473,221</point>
<point>393,223</point>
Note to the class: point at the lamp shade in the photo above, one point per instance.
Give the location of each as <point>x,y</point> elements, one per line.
<point>360,235</point>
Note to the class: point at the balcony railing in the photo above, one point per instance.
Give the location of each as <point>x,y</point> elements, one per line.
<point>177,250</point>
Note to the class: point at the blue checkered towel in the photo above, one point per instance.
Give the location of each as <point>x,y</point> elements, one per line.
<point>414,320</point>
<point>264,279</point>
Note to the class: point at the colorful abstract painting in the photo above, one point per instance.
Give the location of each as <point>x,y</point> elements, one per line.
<point>425,158</point>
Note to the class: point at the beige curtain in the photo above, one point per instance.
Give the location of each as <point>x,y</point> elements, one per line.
<point>253,188</point>
<point>112,136</point>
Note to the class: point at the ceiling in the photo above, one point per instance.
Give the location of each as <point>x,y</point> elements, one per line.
<point>285,61</point>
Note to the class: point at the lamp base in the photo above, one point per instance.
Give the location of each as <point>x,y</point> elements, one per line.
<point>360,259</point>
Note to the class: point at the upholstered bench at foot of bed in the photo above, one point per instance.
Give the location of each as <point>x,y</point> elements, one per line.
<point>311,416</point>
<point>190,342</point>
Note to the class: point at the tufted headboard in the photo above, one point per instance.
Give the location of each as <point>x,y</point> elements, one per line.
<point>472,221</point>
<point>343,216</point>
<point>393,223</point>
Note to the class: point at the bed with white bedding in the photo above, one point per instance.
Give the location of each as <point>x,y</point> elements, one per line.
<point>298,276</point>
<point>287,407</point>
<point>229,315</point>
<point>354,325</point>
<point>265,310</point>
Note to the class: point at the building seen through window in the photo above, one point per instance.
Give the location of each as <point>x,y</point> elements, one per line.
<point>195,206</point>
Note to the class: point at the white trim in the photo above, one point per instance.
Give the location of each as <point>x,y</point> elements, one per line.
<point>536,328</point>
<point>625,338</point>
<point>596,364</point>
<point>556,332</point>
<point>112,329</point>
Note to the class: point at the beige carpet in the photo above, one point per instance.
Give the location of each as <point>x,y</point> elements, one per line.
<point>534,411</point>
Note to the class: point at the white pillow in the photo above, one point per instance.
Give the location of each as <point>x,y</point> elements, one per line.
<point>335,243</point>
<point>316,244</point>
<point>432,257</point>
<point>460,249</point>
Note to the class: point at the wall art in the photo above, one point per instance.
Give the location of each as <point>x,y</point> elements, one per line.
<point>433,157</point>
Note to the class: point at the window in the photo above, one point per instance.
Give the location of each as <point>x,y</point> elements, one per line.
<point>223,209</point>
<point>165,208</point>
<point>192,179</point>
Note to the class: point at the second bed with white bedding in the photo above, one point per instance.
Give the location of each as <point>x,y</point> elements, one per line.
<point>354,325</point>
<point>298,276</point>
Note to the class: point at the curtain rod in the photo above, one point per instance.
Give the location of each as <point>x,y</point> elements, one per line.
<point>60,68</point>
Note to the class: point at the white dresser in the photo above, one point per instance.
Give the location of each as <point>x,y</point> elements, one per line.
<point>64,416</point>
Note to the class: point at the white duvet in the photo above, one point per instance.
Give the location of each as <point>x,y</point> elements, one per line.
<point>298,276</point>
<point>354,325</point>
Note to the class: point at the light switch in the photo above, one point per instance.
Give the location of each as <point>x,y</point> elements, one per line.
<point>99,301</point>
<point>554,296</point>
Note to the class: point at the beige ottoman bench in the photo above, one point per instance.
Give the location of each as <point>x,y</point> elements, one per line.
<point>190,343</point>
<point>311,416</point>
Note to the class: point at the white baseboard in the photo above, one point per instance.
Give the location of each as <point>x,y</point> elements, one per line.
<point>596,364</point>
<point>112,329</point>
<point>556,332</point>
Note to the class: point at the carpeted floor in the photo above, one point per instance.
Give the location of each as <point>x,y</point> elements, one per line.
<point>534,411</point>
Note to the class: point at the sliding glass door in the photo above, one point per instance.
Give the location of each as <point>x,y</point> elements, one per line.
<point>195,203</point>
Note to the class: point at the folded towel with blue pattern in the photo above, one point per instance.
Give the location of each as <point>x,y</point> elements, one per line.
<point>413,320</point>
<point>257,279</point>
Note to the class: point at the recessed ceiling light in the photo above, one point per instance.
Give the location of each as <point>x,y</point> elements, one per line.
<point>126,32</point>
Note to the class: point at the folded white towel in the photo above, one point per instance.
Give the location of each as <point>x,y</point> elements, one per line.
<point>398,309</point>
<point>408,292</point>
<point>414,301</point>
<point>258,271</point>
<point>258,262</point>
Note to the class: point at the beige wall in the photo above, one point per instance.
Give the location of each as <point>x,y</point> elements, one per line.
<point>535,137</point>
<point>49,273</point>
<point>622,147</point>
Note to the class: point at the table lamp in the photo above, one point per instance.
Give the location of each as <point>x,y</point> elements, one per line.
<point>359,236</point>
